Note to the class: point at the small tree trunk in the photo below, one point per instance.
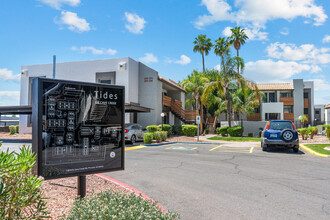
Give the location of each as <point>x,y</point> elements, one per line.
<point>203,62</point>
<point>237,63</point>
<point>228,107</point>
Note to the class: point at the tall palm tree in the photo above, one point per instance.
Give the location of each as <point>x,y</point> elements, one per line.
<point>238,38</point>
<point>222,47</point>
<point>194,85</point>
<point>203,46</point>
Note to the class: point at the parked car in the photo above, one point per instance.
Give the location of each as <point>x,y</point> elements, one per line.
<point>134,132</point>
<point>280,133</point>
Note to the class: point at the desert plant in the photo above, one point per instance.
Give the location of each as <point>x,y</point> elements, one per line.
<point>158,136</point>
<point>223,131</point>
<point>147,138</point>
<point>303,119</point>
<point>20,194</point>
<point>313,131</point>
<point>17,129</point>
<point>235,131</point>
<point>250,134</point>
<point>166,127</point>
<point>152,128</point>
<point>304,132</point>
<point>12,129</point>
<point>117,205</point>
<point>189,130</point>
<point>177,130</point>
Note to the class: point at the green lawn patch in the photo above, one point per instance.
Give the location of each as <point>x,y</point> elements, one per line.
<point>218,138</point>
<point>318,148</point>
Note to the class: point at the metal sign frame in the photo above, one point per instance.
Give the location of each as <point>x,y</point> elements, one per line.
<point>37,126</point>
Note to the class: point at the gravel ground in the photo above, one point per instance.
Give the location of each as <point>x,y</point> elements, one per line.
<point>317,139</point>
<point>6,135</point>
<point>62,192</point>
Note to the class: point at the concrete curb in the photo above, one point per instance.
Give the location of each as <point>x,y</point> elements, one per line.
<point>312,152</point>
<point>16,141</point>
<point>131,189</point>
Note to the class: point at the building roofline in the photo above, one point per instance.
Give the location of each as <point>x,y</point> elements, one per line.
<point>171,83</point>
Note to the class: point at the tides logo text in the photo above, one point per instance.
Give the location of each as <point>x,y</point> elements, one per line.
<point>105,95</point>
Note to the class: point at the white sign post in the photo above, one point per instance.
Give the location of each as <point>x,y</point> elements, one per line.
<point>198,121</point>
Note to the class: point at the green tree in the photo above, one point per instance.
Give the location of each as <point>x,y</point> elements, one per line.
<point>238,38</point>
<point>203,46</point>
<point>222,47</point>
<point>194,85</point>
<point>303,119</point>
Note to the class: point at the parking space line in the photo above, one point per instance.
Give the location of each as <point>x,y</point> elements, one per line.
<point>134,148</point>
<point>251,150</point>
<point>180,148</point>
<point>215,148</point>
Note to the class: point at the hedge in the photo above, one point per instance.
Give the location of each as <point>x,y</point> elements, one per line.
<point>223,131</point>
<point>235,131</point>
<point>166,127</point>
<point>152,128</point>
<point>177,130</point>
<point>147,138</point>
<point>12,129</point>
<point>17,129</point>
<point>189,130</point>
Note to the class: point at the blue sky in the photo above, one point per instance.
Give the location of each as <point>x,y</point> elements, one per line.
<point>288,38</point>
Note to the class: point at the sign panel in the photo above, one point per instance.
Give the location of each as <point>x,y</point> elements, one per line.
<point>78,128</point>
<point>198,119</point>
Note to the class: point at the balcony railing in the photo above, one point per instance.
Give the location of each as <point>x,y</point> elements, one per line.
<point>288,116</point>
<point>254,117</point>
<point>287,100</point>
<point>176,107</point>
<point>306,103</point>
<point>167,101</point>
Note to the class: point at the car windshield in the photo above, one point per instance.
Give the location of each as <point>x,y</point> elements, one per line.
<point>280,125</point>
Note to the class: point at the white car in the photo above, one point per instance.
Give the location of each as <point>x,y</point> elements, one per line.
<point>134,132</point>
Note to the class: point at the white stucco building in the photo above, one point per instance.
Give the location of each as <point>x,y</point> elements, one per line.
<point>144,88</point>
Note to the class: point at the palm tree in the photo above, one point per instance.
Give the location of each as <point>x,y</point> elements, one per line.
<point>202,45</point>
<point>238,38</point>
<point>303,119</point>
<point>222,47</point>
<point>194,85</point>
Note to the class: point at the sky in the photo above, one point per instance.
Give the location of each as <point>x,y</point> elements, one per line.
<point>288,39</point>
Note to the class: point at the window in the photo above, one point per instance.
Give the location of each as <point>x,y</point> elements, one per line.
<point>280,125</point>
<point>317,112</point>
<point>257,110</point>
<point>288,109</point>
<point>306,111</point>
<point>305,95</point>
<point>271,97</point>
<point>148,79</point>
<point>272,116</point>
<point>105,81</point>
<point>286,94</point>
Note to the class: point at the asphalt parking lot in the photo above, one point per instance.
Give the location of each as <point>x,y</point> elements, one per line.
<point>230,181</point>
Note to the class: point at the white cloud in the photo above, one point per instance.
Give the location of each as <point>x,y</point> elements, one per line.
<point>148,58</point>
<point>326,39</point>
<point>6,74</point>
<point>259,12</point>
<point>273,71</point>
<point>74,22</point>
<point>184,60</point>
<point>93,50</point>
<point>57,4</point>
<point>307,53</point>
<point>284,31</point>
<point>135,23</point>
<point>9,98</point>
<point>321,85</point>
<point>253,33</point>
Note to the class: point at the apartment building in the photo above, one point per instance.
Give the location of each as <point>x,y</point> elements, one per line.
<point>147,94</point>
<point>286,101</point>
<point>327,114</point>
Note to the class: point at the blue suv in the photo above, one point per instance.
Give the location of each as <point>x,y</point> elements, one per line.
<point>280,133</point>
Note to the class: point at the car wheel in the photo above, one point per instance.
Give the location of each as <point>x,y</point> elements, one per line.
<point>264,147</point>
<point>287,135</point>
<point>296,149</point>
<point>133,139</point>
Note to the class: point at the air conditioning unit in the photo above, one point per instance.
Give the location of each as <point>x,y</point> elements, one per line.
<point>122,66</point>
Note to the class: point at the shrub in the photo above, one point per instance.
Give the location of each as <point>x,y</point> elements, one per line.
<point>12,129</point>
<point>223,131</point>
<point>20,193</point>
<point>235,131</point>
<point>304,132</point>
<point>327,131</point>
<point>158,136</point>
<point>250,134</point>
<point>177,130</point>
<point>17,129</point>
<point>313,131</point>
<point>147,138</point>
<point>206,131</point>
<point>189,130</point>
<point>166,127</point>
<point>163,135</point>
<point>117,205</point>
<point>152,128</point>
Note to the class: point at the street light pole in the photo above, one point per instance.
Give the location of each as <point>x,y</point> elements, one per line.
<point>162,115</point>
